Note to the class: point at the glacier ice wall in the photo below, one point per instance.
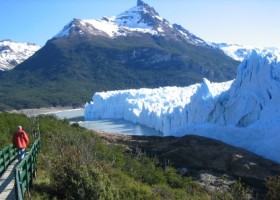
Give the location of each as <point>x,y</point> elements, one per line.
<point>251,99</point>
<point>244,112</point>
<point>163,108</point>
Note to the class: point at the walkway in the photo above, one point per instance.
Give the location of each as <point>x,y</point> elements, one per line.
<point>7,181</point>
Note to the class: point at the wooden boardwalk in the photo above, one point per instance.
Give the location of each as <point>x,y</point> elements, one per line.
<point>7,182</point>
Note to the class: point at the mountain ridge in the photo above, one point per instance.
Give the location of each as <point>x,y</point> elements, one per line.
<point>100,55</point>
<point>14,53</point>
<point>141,18</point>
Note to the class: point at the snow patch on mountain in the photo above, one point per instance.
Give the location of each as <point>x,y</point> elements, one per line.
<point>244,112</point>
<point>133,18</point>
<point>13,53</point>
<point>139,19</point>
<point>108,27</point>
<point>66,30</point>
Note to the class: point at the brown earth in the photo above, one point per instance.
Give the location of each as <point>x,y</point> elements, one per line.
<point>202,158</point>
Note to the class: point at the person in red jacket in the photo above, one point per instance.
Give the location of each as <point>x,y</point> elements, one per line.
<point>20,141</point>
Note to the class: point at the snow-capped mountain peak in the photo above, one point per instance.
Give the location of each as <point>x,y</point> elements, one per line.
<point>141,3</point>
<point>136,21</point>
<point>13,53</point>
<point>140,16</point>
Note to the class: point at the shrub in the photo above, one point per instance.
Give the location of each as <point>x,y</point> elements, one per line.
<point>75,163</point>
<point>9,124</point>
<point>129,188</point>
<point>273,186</point>
<point>174,179</point>
<point>90,183</point>
<point>238,191</point>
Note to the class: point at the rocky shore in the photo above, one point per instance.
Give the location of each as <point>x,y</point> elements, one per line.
<point>36,111</point>
<point>211,163</point>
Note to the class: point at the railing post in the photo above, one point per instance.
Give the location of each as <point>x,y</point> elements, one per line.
<point>9,153</point>
<point>3,157</point>
<point>27,176</point>
<point>26,168</point>
<point>31,169</point>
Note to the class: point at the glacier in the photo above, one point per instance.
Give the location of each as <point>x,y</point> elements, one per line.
<point>239,52</point>
<point>244,112</point>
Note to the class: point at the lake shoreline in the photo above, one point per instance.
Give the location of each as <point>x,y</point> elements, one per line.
<point>38,111</point>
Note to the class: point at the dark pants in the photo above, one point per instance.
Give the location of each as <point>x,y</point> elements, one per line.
<point>21,153</point>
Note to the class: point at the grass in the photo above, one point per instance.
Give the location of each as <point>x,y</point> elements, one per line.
<point>75,163</point>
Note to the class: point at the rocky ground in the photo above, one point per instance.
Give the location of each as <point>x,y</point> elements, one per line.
<point>36,111</point>
<point>212,163</point>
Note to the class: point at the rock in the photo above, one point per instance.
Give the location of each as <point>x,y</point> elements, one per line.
<point>213,181</point>
<point>200,155</point>
<point>183,171</point>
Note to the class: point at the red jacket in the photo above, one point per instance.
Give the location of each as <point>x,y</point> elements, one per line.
<point>20,139</point>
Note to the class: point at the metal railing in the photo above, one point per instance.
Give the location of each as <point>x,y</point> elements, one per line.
<point>7,155</point>
<point>25,172</point>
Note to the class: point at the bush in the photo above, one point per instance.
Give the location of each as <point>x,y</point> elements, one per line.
<point>273,186</point>
<point>74,163</point>
<point>8,125</point>
<point>174,179</point>
<point>238,191</point>
<point>129,188</point>
<point>89,183</point>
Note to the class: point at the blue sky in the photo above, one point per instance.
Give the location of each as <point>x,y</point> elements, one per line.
<point>247,22</point>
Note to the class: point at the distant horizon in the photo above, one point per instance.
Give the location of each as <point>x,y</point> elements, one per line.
<point>251,23</point>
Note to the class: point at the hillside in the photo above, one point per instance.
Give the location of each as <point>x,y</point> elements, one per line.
<point>204,159</point>
<point>112,53</point>
<point>83,164</point>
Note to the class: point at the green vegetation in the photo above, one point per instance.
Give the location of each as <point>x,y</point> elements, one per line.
<point>273,186</point>
<point>8,125</point>
<point>76,163</point>
<point>67,71</point>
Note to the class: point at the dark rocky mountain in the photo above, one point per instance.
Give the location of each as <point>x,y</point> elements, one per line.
<point>135,49</point>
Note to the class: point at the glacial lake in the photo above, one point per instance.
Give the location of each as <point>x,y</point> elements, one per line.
<point>117,126</point>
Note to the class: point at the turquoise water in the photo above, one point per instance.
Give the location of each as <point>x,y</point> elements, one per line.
<point>117,126</point>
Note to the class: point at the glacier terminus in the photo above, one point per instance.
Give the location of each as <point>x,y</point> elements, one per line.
<point>244,112</point>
